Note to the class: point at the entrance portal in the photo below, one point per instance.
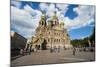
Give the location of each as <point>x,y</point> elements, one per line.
<point>44,45</point>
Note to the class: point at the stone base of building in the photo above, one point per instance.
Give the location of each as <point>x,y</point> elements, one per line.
<point>59,46</point>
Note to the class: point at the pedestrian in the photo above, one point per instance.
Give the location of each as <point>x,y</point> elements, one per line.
<point>64,48</point>
<point>74,50</point>
<point>51,50</point>
<point>24,51</point>
<point>27,47</point>
<point>21,51</point>
<point>54,48</point>
<point>35,49</point>
<point>58,49</point>
<point>30,49</point>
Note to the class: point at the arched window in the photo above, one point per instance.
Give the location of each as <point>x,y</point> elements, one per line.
<point>59,40</point>
<point>55,21</point>
<point>42,22</point>
<point>54,40</point>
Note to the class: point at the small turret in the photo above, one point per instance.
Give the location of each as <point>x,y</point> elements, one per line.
<point>42,21</point>
<point>55,19</point>
<point>62,25</point>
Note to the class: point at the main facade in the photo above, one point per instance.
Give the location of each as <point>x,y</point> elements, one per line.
<point>51,34</point>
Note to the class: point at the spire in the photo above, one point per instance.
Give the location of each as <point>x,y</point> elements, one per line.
<point>55,13</point>
<point>43,19</point>
<point>62,23</point>
<point>54,16</point>
<point>43,15</point>
<point>55,19</point>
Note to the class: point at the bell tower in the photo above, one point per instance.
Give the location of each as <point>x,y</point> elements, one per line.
<point>43,21</point>
<point>42,25</point>
<point>55,19</point>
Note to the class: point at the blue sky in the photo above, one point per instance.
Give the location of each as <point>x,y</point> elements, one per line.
<point>81,32</point>
<point>79,19</point>
<point>70,13</point>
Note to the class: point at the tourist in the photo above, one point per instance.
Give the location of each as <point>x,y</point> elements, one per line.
<point>64,48</point>
<point>74,50</point>
<point>51,50</point>
<point>35,49</point>
<point>30,49</point>
<point>21,52</point>
<point>58,48</point>
<point>54,48</point>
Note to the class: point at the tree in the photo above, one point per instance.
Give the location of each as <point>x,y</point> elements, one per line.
<point>84,42</point>
<point>92,37</point>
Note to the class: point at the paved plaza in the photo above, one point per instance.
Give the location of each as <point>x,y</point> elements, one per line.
<point>45,57</point>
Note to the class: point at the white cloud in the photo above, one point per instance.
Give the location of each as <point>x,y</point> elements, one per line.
<point>22,20</point>
<point>85,14</point>
<point>85,17</point>
<point>25,21</point>
<point>33,12</point>
<point>51,8</point>
<point>62,8</point>
<point>43,6</point>
<point>48,8</point>
<point>16,3</point>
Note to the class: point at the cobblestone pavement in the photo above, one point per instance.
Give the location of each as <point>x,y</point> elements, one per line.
<point>45,57</point>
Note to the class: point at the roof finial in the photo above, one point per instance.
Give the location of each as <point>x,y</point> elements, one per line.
<point>43,14</point>
<point>55,10</point>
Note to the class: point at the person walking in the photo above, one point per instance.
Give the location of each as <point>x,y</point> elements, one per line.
<point>74,50</point>
<point>35,49</point>
<point>21,52</point>
<point>51,50</point>
<point>58,49</point>
<point>30,49</point>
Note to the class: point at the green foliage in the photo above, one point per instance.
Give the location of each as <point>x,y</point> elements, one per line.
<point>84,42</point>
<point>92,37</point>
<point>80,43</point>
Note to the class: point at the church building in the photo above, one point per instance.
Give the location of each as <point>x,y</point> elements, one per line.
<point>51,33</point>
